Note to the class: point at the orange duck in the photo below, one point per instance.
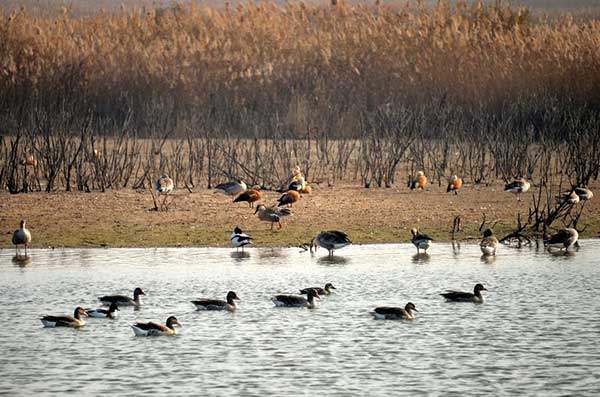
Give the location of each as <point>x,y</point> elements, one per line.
<point>420,182</point>
<point>251,196</point>
<point>289,198</point>
<point>454,184</point>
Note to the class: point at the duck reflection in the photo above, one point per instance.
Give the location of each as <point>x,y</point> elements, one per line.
<point>240,256</point>
<point>332,260</point>
<point>271,253</point>
<point>489,259</point>
<point>455,247</point>
<point>21,260</point>
<point>422,258</point>
<point>561,253</point>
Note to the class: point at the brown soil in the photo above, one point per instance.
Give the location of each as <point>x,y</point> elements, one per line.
<point>124,219</point>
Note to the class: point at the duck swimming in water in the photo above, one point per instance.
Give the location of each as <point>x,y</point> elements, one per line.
<point>563,239</point>
<point>459,296</point>
<point>489,243</point>
<point>296,301</point>
<point>123,300</point>
<point>104,313</point>
<point>215,304</point>
<point>155,329</point>
<point>65,321</point>
<point>395,313</point>
<point>320,291</point>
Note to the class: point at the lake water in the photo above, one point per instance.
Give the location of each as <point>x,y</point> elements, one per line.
<point>538,332</point>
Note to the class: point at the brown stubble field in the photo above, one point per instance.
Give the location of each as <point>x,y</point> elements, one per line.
<point>123,218</point>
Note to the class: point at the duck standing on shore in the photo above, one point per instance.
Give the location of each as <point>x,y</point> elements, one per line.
<point>454,184</point>
<point>231,188</point>
<point>289,198</point>
<point>240,239</point>
<point>272,214</point>
<point>330,240</point>
<point>250,196</point>
<point>164,186</point>
<point>517,187</point>
<point>419,182</point>
<point>584,193</point>
<point>21,236</point>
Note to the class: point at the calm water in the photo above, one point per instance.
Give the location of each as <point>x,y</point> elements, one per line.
<point>537,333</point>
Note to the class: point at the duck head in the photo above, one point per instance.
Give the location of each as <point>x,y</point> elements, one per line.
<point>414,231</point>
<point>479,288</point>
<point>410,307</point>
<point>171,321</point>
<point>488,233</point>
<point>329,286</point>
<point>80,311</point>
<point>137,292</point>
<point>237,230</point>
<point>232,296</point>
<point>22,223</point>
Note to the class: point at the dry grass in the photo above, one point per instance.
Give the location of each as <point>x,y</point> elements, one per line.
<point>122,218</point>
<point>291,66</point>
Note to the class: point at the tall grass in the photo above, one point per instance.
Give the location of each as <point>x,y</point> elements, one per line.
<point>295,68</point>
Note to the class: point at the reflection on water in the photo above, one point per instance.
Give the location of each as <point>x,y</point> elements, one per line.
<point>514,343</point>
<point>21,260</point>
<point>421,257</point>
<point>488,258</point>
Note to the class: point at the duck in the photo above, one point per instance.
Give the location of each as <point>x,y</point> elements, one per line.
<point>297,185</point>
<point>517,187</point>
<point>584,193</point>
<point>395,313</point>
<point>123,300</point>
<point>164,186</point>
<point>239,238</point>
<point>459,296</point>
<point>568,198</point>
<point>489,243</point>
<point>307,189</point>
<point>272,214</point>
<point>330,240</point>
<point>289,198</point>
<point>103,313</point>
<point>231,188</point>
<point>215,304</point>
<point>155,329</point>
<point>454,184</point>
<point>420,240</point>
<point>420,182</point>
<point>250,196</point>
<point>320,291</point>
<point>563,239</point>
<point>21,236</point>
<point>296,301</point>
<point>66,321</point>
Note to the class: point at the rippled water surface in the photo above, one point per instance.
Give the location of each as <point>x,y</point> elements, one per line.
<point>538,332</point>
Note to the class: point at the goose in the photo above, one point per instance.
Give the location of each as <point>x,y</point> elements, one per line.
<point>272,214</point>
<point>123,300</point>
<point>164,186</point>
<point>65,321</point>
<point>584,193</point>
<point>239,238</point>
<point>231,188</point>
<point>320,291</point>
<point>454,184</point>
<point>103,313</point>
<point>459,296</point>
<point>420,182</point>
<point>250,196</point>
<point>420,240</point>
<point>215,304</point>
<point>517,187</point>
<point>563,239</point>
<point>295,300</point>
<point>289,198</point>
<point>155,329</point>
<point>568,197</point>
<point>489,243</point>
<point>330,240</point>
<point>21,236</point>
<point>395,313</point>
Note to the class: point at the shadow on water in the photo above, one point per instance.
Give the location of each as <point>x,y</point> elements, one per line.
<point>455,247</point>
<point>559,253</point>
<point>271,253</point>
<point>21,260</point>
<point>421,257</point>
<point>332,260</point>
